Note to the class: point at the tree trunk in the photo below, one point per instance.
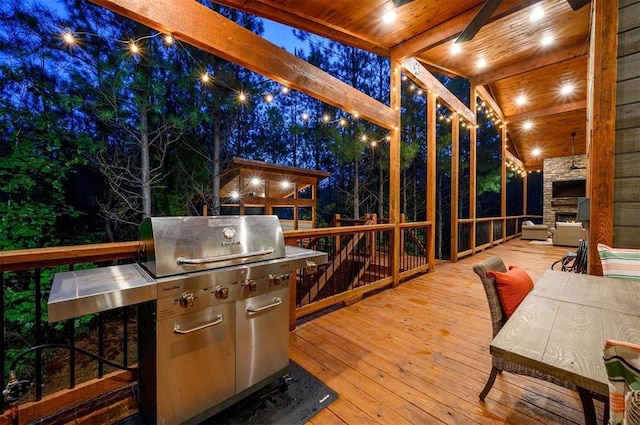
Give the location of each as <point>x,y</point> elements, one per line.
<point>380,191</point>
<point>144,166</point>
<point>356,190</point>
<point>215,190</point>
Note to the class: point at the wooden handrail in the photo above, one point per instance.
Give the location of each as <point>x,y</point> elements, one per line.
<point>24,259</point>
<point>332,231</point>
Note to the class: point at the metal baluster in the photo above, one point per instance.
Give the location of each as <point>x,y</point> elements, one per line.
<point>38,332</point>
<point>2,332</point>
<point>125,342</point>
<point>100,345</point>
<point>72,342</point>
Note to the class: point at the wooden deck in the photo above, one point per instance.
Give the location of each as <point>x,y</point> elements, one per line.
<point>418,354</point>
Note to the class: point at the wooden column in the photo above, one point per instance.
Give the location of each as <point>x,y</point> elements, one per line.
<point>601,115</point>
<point>503,192</point>
<point>431,176</point>
<point>473,133</point>
<point>525,179</point>
<point>394,172</point>
<point>455,181</point>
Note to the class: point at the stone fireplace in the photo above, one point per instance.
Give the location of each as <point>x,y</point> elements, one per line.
<point>560,169</point>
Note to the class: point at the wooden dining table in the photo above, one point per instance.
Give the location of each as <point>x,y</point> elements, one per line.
<point>561,326</point>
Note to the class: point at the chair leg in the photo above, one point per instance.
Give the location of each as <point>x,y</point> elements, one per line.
<point>587,406</point>
<point>489,384</point>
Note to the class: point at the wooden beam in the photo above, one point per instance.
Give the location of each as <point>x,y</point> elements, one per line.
<point>451,28</point>
<point>431,173</point>
<point>195,24</point>
<point>530,65</point>
<point>554,110</point>
<point>601,115</point>
<point>486,97</point>
<point>394,171</point>
<point>428,81</point>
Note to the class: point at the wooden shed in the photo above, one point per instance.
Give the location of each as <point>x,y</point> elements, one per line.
<point>256,187</point>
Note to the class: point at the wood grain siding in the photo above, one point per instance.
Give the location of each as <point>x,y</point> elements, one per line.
<point>626,208</point>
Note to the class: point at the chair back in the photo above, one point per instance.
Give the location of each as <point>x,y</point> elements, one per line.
<point>498,317</point>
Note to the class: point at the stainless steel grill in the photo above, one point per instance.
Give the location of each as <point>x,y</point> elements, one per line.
<point>215,328</point>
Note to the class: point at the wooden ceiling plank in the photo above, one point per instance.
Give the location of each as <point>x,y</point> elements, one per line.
<point>428,81</point>
<point>295,19</point>
<point>451,28</point>
<point>526,66</point>
<point>201,27</point>
<point>558,109</point>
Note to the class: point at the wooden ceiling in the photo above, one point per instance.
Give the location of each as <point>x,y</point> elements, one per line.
<point>510,43</point>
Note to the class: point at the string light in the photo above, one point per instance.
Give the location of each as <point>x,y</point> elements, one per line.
<point>134,46</point>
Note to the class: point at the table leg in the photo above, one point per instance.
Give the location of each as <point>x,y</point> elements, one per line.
<point>587,406</point>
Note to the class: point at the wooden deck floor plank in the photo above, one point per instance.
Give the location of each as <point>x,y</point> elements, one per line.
<point>415,389</point>
<point>447,372</point>
<point>426,342</point>
<point>389,404</point>
<point>348,407</point>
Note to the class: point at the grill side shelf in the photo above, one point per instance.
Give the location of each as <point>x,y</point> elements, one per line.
<point>77,293</point>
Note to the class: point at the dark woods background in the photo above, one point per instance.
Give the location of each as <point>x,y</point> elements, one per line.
<point>94,138</point>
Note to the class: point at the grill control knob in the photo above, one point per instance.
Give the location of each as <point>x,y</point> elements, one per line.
<point>187,300</point>
<point>250,285</point>
<point>274,280</point>
<point>222,292</point>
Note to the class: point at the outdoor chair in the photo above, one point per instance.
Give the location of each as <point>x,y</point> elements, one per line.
<point>575,262</point>
<point>498,319</point>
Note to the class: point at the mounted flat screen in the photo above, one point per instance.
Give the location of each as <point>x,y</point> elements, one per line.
<point>569,189</point>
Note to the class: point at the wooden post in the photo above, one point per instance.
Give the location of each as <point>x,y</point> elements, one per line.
<point>394,172</point>
<point>601,120</point>
<point>293,290</point>
<point>503,192</point>
<point>472,170</point>
<point>431,176</point>
<point>336,238</point>
<point>295,206</point>
<point>455,181</point>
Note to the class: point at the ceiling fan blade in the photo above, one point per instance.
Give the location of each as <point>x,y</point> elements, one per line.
<point>577,4</point>
<point>479,20</point>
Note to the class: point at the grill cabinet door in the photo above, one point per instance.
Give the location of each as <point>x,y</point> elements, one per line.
<point>262,338</point>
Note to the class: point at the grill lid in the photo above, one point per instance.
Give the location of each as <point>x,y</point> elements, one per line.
<point>176,245</point>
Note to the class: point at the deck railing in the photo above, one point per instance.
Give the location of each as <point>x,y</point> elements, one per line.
<point>26,275</point>
<point>489,231</point>
<point>360,262</point>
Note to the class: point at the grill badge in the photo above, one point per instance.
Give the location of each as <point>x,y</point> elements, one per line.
<point>229,233</point>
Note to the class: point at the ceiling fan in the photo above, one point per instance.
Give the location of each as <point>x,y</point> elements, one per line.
<point>487,10</point>
<point>573,157</point>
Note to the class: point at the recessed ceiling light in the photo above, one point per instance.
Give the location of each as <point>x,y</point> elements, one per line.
<point>389,16</point>
<point>521,100</point>
<point>566,89</point>
<point>527,125</point>
<point>482,63</point>
<point>456,48</point>
<point>536,14</point>
<point>536,152</point>
<point>546,40</point>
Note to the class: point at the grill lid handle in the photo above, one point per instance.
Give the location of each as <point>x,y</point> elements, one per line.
<point>182,261</point>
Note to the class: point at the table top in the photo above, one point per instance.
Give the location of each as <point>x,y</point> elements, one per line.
<point>562,324</point>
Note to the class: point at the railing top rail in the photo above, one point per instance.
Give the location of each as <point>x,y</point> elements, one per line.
<point>24,259</point>
<point>333,231</point>
<point>413,225</point>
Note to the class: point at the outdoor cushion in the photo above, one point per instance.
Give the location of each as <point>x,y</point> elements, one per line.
<point>622,362</point>
<point>512,287</point>
<point>620,262</point>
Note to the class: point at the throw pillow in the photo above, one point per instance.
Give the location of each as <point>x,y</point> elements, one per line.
<point>620,262</point>
<point>512,287</point>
